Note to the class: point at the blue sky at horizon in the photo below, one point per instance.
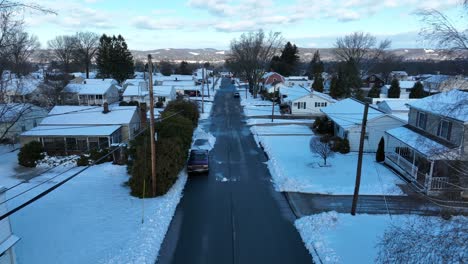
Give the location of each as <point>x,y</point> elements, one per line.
<point>151,24</point>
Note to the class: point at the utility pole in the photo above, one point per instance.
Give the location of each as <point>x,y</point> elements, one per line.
<point>203,91</point>
<point>207,84</point>
<point>273,106</point>
<point>152,134</point>
<point>359,165</point>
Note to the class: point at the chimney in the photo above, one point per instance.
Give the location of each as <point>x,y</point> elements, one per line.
<point>143,117</point>
<point>106,108</point>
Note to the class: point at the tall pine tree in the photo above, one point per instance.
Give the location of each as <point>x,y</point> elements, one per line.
<point>113,58</point>
<point>316,68</point>
<point>394,90</point>
<point>287,62</point>
<point>417,91</point>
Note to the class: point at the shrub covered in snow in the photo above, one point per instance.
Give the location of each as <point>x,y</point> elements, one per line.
<point>82,161</point>
<point>30,153</point>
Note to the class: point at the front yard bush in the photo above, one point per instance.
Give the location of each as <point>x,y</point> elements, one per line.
<point>82,161</point>
<point>30,153</point>
<point>323,125</point>
<point>96,155</point>
<point>344,148</point>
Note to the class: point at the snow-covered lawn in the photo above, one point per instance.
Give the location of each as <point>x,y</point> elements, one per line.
<point>93,219</point>
<point>342,238</point>
<point>294,168</point>
<point>257,106</point>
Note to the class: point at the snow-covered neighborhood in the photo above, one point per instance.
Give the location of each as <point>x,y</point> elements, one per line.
<point>212,132</point>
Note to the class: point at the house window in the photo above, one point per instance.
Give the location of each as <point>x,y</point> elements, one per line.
<point>316,104</point>
<point>71,143</point>
<point>23,128</point>
<point>324,104</point>
<point>304,105</point>
<point>81,144</point>
<point>444,130</point>
<point>99,96</point>
<point>93,143</point>
<point>421,120</point>
<point>366,135</point>
<point>161,99</point>
<point>34,123</point>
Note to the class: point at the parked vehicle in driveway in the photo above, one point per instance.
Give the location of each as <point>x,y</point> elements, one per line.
<point>236,95</point>
<point>198,161</point>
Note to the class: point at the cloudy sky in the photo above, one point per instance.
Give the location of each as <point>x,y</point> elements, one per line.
<point>153,24</point>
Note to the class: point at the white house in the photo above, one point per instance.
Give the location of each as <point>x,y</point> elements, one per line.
<point>178,78</point>
<point>76,129</point>
<point>16,118</point>
<point>298,80</point>
<point>347,118</point>
<point>399,75</point>
<point>302,101</point>
<point>91,92</point>
<point>140,93</point>
<point>7,239</point>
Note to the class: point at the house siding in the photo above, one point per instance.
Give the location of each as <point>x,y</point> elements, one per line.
<point>310,105</point>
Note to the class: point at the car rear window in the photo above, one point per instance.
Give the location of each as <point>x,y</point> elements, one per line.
<point>198,156</point>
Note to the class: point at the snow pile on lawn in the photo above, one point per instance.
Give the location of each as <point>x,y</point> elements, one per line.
<point>281,130</point>
<point>54,161</point>
<point>295,169</point>
<point>207,110</point>
<point>93,219</point>
<point>342,238</point>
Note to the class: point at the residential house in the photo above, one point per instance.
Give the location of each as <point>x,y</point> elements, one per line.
<point>405,89</point>
<point>393,106</point>
<point>19,90</point>
<point>372,80</point>
<point>302,101</point>
<point>432,149</point>
<point>16,118</point>
<point>78,129</point>
<point>191,91</point>
<point>347,117</point>
<point>91,92</point>
<point>140,93</point>
<point>200,73</point>
<point>270,79</point>
<point>399,75</point>
<point>7,239</point>
<point>160,79</point>
<point>298,80</point>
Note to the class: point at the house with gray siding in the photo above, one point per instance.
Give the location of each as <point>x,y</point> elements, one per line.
<point>432,149</point>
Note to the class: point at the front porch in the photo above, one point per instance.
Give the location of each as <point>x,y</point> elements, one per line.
<point>432,174</point>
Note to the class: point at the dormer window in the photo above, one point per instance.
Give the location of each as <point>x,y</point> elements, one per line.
<point>421,120</point>
<point>444,130</point>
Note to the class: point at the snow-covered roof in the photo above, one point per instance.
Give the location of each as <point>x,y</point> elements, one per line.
<point>133,90</point>
<point>100,81</point>
<point>437,78</point>
<point>178,83</point>
<point>297,78</point>
<point>349,112</point>
<point>174,77</point>
<point>267,74</point>
<point>452,104</point>
<point>86,115</point>
<point>396,104</point>
<point>93,88</point>
<point>193,87</point>
<point>10,112</point>
<point>295,92</point>
<point>21,86</point>
<point>399,73</point>
<point>422,144</point>
<point>133,81</point>
<point>95,130</point>
<point>407,84</point>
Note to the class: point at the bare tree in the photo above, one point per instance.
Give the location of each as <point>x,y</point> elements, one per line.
<point>86,44</point>
<point>321,147</point>
<point>425,240</point>
<point>441,31</point>
<point>361,47</point>
<point>63,49</point>
<point>17,5</point>
<point>22,48</point>
<point>251,54</point>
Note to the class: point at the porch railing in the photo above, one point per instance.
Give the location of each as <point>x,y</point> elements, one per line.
<point>438,183</point>
<point>403,163</point>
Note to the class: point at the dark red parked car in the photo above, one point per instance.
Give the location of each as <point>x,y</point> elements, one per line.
<point>198,161</point>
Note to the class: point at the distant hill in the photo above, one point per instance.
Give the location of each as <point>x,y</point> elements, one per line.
<point>218,56</point>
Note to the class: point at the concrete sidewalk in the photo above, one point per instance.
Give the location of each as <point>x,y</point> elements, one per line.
<point>307,204</point>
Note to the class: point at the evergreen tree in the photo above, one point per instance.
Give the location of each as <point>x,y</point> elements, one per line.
<point>374,92</point>
<point>351,79</point>
<point>417,91</point>
<point>394,90</point>
<point>335,90</point>
<point>287,62</point>
<point>113,58</point>
<point>315,66</point>
<point>184,68</point>
<point>318,83</point>
<point>165,68</point>
<point>380,154</point>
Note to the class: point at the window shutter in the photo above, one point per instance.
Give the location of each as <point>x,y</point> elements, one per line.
<point>439,128</point>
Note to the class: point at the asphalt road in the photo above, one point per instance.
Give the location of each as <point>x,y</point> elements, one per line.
<point>233,214</point>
